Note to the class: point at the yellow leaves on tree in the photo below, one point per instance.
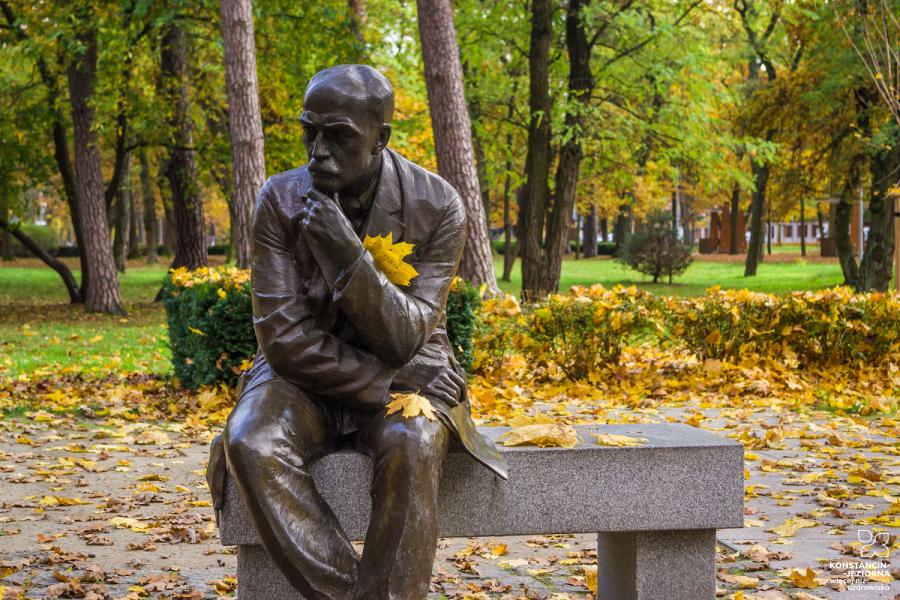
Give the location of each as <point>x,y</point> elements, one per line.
<point>543,435</point>
<point>389,257</point>
<point>412,405</point>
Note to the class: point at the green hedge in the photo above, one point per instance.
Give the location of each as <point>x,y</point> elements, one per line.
<point>210,318</point>
<point>462,302</point>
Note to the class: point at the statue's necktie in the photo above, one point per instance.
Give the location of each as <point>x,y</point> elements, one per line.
<point>354,212</point>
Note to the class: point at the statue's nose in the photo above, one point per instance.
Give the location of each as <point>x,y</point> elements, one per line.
<point>319,148</point>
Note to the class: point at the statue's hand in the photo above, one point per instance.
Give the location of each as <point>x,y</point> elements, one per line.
<point>322,218</point>
<point>430,374</point>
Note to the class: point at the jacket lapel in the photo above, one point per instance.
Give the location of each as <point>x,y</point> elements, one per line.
<point>386,211</point>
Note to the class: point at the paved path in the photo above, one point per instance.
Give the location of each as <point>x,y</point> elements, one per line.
<point>117,514</point>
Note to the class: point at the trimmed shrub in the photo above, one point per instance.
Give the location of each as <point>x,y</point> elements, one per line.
<point>581,332</point>
<point>587,329</point>
<point>210,318</point>
<point>830,326</point>
<point>462,302</point>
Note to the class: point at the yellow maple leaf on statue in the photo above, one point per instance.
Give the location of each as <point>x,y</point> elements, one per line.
<point>412,405</point>
<point>389,257</point>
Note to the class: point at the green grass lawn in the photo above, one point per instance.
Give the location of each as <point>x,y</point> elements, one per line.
<point>771,277</point>
<point>42,334</point>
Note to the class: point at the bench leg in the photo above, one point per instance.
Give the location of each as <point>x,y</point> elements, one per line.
<point>648,565</point>
<point>259,579</point>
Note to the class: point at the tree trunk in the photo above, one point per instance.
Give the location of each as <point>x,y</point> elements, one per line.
<point>509,258</point>
<point>581,84</point>
<point>51,261</point>
<point>6,244</point>
<point>103,294</point>
<point>123,217</point>
<point>734,243</point>
<point>622,225</point>
<point>757,207</point>
<point>151,221</point>
<point>453,133</point>
<point>802,226</point>
<point>877,264</point>
<point>843,219</point>
<point>181,166</point>
<point>537,163</point>
<point>358,21</point>
<point>136,236</point>
<point>590,233</point>
<point>247,158</point>
<point>604,229</point>
<point>821,221</point>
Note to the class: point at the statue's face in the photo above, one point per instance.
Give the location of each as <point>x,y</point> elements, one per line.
<point>342,137</point>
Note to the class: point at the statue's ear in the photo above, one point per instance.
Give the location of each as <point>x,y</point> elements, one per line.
<point>384,134</point>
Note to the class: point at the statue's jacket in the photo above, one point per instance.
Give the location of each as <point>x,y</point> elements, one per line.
<point>343,336</point>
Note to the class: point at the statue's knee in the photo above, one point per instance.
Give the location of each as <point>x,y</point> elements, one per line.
<point>245,440</point>
<point>417,440</point>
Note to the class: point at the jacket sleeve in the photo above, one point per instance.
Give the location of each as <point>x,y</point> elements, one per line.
<point>296,348</point>
<point>395,321</point>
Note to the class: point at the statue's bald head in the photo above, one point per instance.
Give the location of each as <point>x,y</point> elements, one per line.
<point>346,121</point>
<point>355,84</point>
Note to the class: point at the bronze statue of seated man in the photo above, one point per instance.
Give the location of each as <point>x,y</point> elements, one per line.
<point>336,336</point>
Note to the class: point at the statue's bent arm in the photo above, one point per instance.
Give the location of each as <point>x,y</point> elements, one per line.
<point>396,321</point>
<point>296,348</point>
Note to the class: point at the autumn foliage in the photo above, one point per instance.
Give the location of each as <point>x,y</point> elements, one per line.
<point>585,331</point>
<point>824,327</point>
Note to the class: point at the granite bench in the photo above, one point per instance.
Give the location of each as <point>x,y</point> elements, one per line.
<point>654,507</point>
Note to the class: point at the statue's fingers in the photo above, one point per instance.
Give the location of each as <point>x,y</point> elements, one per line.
<point>317,196</point>
<point>448,393</point>
<point>454,376</point>
<point>430,351</point>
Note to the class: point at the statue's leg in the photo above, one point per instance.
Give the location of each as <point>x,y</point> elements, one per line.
<point>402,536</point>
<point>273,433</point>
